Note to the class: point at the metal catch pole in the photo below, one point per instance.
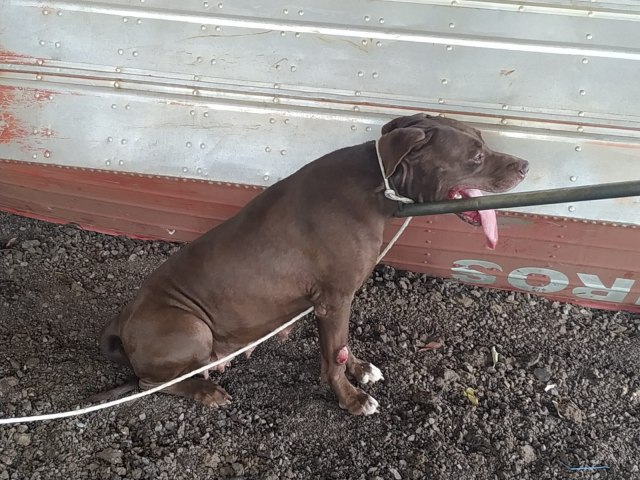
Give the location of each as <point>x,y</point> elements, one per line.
<point>524,199</point>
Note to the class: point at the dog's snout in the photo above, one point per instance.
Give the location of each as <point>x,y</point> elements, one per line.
<point>522,167</point>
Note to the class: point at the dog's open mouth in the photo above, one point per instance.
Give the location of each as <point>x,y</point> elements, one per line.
<point>484,218</point>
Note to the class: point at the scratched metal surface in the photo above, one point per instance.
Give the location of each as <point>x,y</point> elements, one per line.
<point>247,92</point>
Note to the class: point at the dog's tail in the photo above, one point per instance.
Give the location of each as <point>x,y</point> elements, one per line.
<point>111,344</point>
<point>115,392</point>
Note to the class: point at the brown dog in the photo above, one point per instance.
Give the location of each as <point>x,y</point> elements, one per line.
<point>309,240</point>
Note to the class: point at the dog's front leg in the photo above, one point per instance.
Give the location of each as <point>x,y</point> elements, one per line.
<point>333,328</point>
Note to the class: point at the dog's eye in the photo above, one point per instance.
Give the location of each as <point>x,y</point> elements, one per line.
<point>478,159</point>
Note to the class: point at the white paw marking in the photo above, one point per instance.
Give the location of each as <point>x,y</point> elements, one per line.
<point>370,406</point>
<point>373,375</point>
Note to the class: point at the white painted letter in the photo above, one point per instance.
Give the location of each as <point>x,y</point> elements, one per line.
<point>469,275</point>
<point>557,280</point>
<point>594,289</point>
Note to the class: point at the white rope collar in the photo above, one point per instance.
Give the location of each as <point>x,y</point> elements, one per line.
<point>389,192</point>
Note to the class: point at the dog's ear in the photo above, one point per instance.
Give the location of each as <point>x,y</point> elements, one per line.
<point>404,122</point>
<point>394,146</point>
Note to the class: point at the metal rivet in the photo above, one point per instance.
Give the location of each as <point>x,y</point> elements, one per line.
<point>361,73</point>
<point>195,92</point>
<point>199,171</point>
<point>59,13</point>
<point>38,77</point>
<point>505,107</point>
<point>521,8</point>
<point>48,132</point>
<point>109,139</point>
<point>47,154</point>
<point>50,97</point>
<point>449,47</point>
<point>205,114</point>
<point>444,81</point>
<point>368,129</point>
<point>198,59</point>
<point>585,60</point>
<point>381,20</point>
<point>283,152</point>
<point>589,36</point>
<point>272,120</point>
<point>503,121</point>
<point>267,149</point>
<point>266,177</point>
<point>114,106</point>
<point>378,44</point>
<point>441,100</point>
<point>57,44</point>
<point>286,121</point>
<point>285,11</point>
<point>356,108</point>
<point>297,34</point>
<point>125,19</point>
<point>139,21</point>
<point>189,144</point>
<point>580,129</point>
<point>374,75</point>
<point>578,148</point>
<point>573,178</point>
<point>358,93</point>
<point>583,92</point>
<point>40,61</point>
<point>192,112</point>
<point>454,3</point>
<point>205,4</point>
<point>203,27</point>
<point>107,163</point>
<point>120,51</point>
<point>218,28</point>
<point>123,141</point>
<point>581,114</point>
<point>121,162</point>
<point>202,146</point>
<point>171,231</point>
<point>118,69</point>
<point>365,41</point>
<point>42,42</point>
<point>35,131</point>
<point>282,34</point>
<point>134,53</point>
<point>276,100</point>
<point>37,95</point>
<point>353,127</point>
<point>45,12</point>
<point>276,85</point>
<point>213,61</point>
<point>572,208</point>
<point>116,84</point>
<point>185,169</point>
<point>293,68</point>
<point>452,25</point>
<point>300,12</point>
<point>367,18</point>
<point>590,13</point>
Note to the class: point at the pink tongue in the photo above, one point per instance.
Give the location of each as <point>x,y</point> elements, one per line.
<point>488,219</point>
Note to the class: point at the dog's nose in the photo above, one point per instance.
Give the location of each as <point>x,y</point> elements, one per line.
<point>523,167</point>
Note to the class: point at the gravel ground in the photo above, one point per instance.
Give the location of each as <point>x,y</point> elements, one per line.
<point>59,285</point>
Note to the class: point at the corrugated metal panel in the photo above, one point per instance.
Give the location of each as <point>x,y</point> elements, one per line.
<point>247,92</point>
<point>583,262</point>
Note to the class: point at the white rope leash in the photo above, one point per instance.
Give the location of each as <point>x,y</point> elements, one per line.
<point>389,193</point>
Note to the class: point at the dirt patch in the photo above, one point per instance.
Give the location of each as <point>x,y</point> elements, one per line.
<point>563,392</point>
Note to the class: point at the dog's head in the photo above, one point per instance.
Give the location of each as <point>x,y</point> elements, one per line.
<point>434,158</point>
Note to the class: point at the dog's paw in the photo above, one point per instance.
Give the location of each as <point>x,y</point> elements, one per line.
<point>361,404</point>
<point>365,372</point>
<point>371,374</point>
<point>213,396</point>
